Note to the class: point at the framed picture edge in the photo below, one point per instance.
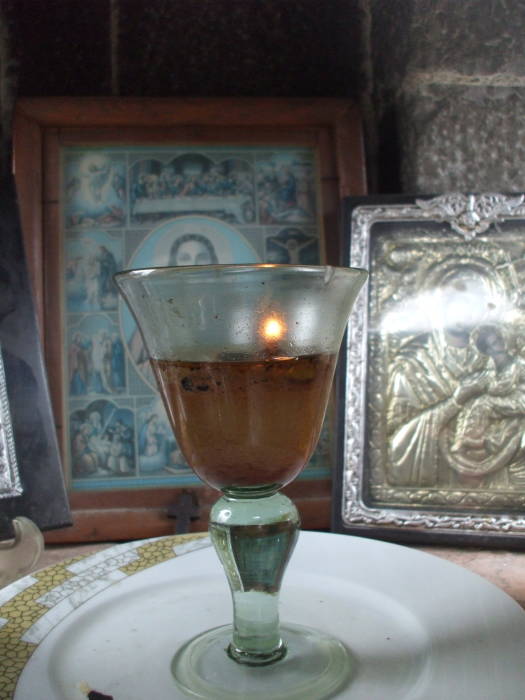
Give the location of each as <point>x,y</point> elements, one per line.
<point>490,528</point>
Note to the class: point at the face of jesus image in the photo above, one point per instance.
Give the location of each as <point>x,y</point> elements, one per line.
<point>192,249</point>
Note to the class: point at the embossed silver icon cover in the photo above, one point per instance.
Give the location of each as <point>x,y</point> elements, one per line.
<point>435,384</point>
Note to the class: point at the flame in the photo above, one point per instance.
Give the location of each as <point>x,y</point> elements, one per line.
<point>273,328</point>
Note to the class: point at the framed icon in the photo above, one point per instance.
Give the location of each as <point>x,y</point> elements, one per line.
<point>433,415</point>
<point>140,183</point>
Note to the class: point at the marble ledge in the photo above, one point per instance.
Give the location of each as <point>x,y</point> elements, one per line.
<point>503,568</point>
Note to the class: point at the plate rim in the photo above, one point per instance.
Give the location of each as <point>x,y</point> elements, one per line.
<point>129,559</point>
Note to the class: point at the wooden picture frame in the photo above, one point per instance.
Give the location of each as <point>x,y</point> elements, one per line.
<point>432,417</point>
<point>45,135</point>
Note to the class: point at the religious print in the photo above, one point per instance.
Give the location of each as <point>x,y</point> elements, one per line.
<point>95,189</point>
<point>158,452</point>
<point>286,188</point>
<point>193,183</point>
<point>293,246</point>
<point>92,258</point>
<point>102,440</point>
<point>96,363</point>
<point>128,207</point>
<point>186,240</point>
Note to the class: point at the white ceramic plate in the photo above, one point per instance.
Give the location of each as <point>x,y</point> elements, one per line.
<point>419,628</point>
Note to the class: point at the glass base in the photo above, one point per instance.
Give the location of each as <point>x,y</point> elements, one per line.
<point>315,666</point>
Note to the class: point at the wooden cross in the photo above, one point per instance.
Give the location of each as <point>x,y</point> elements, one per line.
<point>184,510</point>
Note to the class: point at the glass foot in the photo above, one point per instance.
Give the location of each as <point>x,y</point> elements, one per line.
<point>315,666</point>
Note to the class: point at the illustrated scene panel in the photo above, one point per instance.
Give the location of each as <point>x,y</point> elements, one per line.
<point>446,409</point>
<point>140,207</point>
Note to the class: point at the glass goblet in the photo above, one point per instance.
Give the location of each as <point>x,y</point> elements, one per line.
<point>244,357</point>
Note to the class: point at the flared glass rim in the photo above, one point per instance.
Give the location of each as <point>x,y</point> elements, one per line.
<point>186,269</point>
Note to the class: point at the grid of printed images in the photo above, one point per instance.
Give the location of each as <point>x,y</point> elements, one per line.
<point>130,207</point>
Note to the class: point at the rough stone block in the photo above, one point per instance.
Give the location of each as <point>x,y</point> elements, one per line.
<point>455,138</point>
<point>468,36</point>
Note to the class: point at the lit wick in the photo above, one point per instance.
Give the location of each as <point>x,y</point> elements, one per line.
<point>272,330</point>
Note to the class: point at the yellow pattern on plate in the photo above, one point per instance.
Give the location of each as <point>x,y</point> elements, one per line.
<point>22,610</point>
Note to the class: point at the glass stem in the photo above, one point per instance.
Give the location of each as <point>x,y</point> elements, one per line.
<point>254,539</point>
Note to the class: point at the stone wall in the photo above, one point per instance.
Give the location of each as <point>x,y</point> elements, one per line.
<point>181,47</point>
<point>441,83</point>
<point>449,94</point>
